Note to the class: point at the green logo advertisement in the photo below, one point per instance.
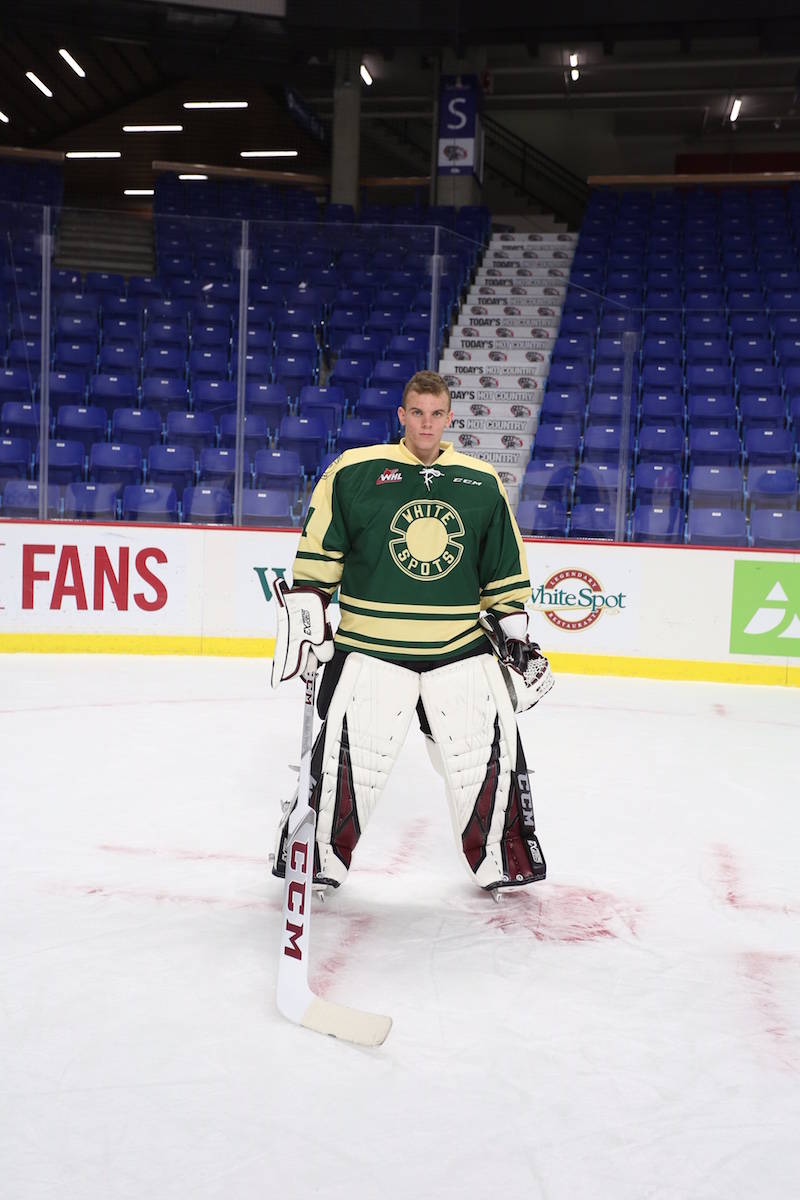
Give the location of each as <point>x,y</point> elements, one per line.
<point>765,614</point>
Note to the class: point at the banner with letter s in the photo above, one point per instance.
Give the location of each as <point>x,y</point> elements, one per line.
<point>460,130</point>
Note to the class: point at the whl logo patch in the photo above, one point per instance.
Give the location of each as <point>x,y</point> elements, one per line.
<point>390,475</point>
<point>765,611</point>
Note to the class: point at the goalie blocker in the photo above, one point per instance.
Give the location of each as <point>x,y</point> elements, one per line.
<point>467,710</point>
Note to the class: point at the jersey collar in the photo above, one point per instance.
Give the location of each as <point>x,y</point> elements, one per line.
<point>446,452</point>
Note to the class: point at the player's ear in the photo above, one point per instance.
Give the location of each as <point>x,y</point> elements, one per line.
<point>449,420</point>
<point>401,415</point>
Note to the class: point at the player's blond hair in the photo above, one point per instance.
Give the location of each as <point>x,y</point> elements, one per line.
<point>426,382</point>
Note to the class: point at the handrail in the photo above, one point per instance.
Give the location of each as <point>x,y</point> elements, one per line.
<point>531,157</point>
<point>566,178</point>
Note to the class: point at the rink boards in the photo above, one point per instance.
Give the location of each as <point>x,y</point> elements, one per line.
<point>663,612</point>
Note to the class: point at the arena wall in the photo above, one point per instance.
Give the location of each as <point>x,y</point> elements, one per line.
<point>660,612</point>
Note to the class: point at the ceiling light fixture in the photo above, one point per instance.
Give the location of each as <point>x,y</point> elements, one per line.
<point>574,74</point>
<point>76,66</point>
<point>192,177</point>
<point>152,129</point>
<point>735,109</point>
<point>573,60</point>
<point>36,81</point>
<point>215,104</point>
<point>267,154</point>
<point>93,154</point>
<point>365,75</point>
<point>139,192</point>
<point>3,118</point>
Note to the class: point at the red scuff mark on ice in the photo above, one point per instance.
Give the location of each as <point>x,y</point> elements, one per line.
<point>184,855</point>
<point>163,896</point>
<point>763,969</point>
<point>404,853</point>
<point>561,913</point>
<point>325,972</point>
<point>729,876</point>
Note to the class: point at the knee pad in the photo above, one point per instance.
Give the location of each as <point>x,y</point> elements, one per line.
<point>472,721</point>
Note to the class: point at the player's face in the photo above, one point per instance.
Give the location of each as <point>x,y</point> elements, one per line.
<point>425,418</point>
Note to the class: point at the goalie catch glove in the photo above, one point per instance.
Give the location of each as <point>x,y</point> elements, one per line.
<point>525,669</point>
<point>303,637</point>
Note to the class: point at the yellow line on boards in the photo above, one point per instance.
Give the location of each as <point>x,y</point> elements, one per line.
<point>675,668</point>
<point>248,647</point>
<point>89,643</point>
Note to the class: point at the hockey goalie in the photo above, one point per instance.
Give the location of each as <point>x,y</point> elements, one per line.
<point>431,570</point>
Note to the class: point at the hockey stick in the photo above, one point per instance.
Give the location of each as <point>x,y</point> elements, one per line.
<point>296,1001</point>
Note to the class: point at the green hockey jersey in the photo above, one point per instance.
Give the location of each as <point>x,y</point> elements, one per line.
<point>416,551</point>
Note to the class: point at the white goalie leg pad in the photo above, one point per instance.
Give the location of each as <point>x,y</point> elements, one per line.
<point>472,720</point>
<point>365,727</point>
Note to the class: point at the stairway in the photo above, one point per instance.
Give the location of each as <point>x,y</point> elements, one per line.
<point>93,240</point>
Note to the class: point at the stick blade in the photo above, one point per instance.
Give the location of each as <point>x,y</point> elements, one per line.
<point>348,1024</point>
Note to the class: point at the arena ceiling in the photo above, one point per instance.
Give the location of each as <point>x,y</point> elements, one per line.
<point>677,64</point>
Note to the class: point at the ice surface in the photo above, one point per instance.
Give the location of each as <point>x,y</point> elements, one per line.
<point>628,1030</point>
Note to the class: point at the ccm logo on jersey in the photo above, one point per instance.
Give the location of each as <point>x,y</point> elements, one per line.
<point>471,482</point>
<point>390,475</point>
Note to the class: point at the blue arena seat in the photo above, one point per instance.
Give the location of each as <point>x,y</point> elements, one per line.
<point>716,527</point>
<point>599,483</point>
<point>658,484</point>
<point>166,361</point>
<point>208,364</point>
<point>110,391</point>
<point>141,426</point>
<point>547,481</point>
<point>657,523</point>
<point>15,384</point>
<point>67,387</point>
<point>20,418</point>
<point>163,395</point>
<point>256,432</point>
<point>603,443</point>
<point>772,487</point>
<point>760,411</point>
<point>195,429</point>
<point>149,502</point>
<point>65,461</point>
<point>117,358</point>
<point>15,458</point>
<point>357,431</point>
<point>779,528</point>
<point>716,487</point>
<point>279,470</point>
<point>562,405</point>
<point>711,411</point>
<point>266,508</point>
<point>115,462</point>
<point>542,518</point>
<point>21,499</point>
<point>171,465</point>
<point>215,396</point>
<point>123,331</point>
<point>557,442</point>
<point>167,334</point>
<point>85,424</point>
<point>207,505</point>
<point>714,447</point>
<point>769,447</point>
<point>593,521</point>
<point>92,501</point>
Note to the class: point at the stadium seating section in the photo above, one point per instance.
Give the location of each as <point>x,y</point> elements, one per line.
<point>700,289</point>
<point>144,372</point>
